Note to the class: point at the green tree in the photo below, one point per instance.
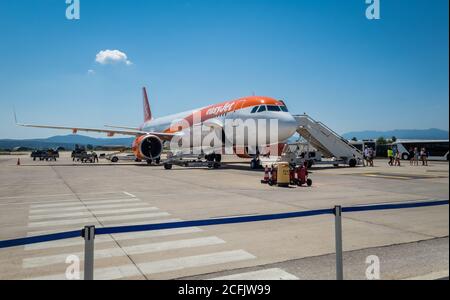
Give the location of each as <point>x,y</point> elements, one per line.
<point>381,141</point>
<point>354,139</point>
<point>394,139</point>
<point>90,147</point>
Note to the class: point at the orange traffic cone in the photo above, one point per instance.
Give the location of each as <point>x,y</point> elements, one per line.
<point>18,161</point>
<point>266,176</point>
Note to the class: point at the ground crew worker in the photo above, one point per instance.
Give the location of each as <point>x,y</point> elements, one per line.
<point>390,154</point>
<point>95,157</point>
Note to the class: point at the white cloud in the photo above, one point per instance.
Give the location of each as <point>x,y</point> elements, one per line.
<point>105,57</point>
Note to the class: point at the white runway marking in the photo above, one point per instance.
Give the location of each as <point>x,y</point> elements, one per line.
<point>79,203</point>
<point>61,213</point>
<point>60,216</point>
<point>153,234</point>
<point>145,222</point>
<point>117,237</point>
<point>40,261</point>
<point>109,205</point>
<point>57,210</point>
<point>123,211</point>
<point>57,204</point>
<point>181,263</point>
<point>269,274</point>
<point>59,195</point>
<point>133,217</point>
<point>33,262</point>
<point>66,243</point>
<point>171,245</point>
<point>53,223</point>
<point>129,194</point>
<point>70,228</point>
<point>100,273</point>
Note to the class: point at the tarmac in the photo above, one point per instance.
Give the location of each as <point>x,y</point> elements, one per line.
<point>45,197</point>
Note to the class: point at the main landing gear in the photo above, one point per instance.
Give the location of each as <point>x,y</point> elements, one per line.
<point>211,161</point>
<point>255,164</point>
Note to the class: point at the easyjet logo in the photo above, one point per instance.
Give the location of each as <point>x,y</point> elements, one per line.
<point>218,110</point>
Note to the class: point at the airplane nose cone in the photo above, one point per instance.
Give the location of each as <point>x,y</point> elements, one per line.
<point>287,127</point>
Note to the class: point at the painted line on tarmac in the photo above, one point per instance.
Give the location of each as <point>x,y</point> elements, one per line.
<point>134,217</point>
<point>181,263</point>
<point>82,221</point>
<point>100,273</point>
<point>269,274</point>
<point>41,261</point>
<point>46,214</point>
<point>78,203</point>
<point>59,195</point>
<point>129,194</point>
<point>117,237</point>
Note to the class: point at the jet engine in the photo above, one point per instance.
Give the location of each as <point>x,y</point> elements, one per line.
<point>147,147</point>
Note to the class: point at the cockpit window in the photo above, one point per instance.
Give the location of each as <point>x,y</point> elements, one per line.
<point>255,109</point>
<point>262,108</point>
<point>273,108</point>
<point>284,108</point>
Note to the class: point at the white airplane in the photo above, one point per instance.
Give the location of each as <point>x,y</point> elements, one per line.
<point>151,135</point>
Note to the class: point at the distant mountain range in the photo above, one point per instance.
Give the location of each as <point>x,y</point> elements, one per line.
<point>66,141</point>
<point>425,134</point>
<point>69,141</point>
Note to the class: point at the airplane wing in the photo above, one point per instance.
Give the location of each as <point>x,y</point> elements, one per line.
<point>110,133</point>
<point>122,127</point>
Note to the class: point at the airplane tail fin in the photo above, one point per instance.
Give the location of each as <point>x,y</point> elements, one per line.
<point>147,110</point>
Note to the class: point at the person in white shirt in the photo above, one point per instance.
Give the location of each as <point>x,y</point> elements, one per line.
<point>367,156</point>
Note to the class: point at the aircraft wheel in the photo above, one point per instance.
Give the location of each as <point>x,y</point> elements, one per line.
<point>168,166</point>
<point>309,182</point>
<point>254,164</point>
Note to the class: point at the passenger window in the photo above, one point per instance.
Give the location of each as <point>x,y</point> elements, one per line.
<point>273,108</point>
<point>254,109</point>
<point>262,108</point>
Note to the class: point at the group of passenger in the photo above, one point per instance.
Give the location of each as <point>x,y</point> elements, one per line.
<point>415,156</point>
<point>369,156</point>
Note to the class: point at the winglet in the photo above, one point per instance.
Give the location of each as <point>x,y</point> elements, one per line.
<point>147,110</point>
<point>15,116</point>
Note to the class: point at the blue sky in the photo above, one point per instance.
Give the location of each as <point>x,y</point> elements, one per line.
<point>322,57</point>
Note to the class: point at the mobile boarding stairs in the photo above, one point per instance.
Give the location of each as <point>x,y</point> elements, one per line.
<point>328,142</point>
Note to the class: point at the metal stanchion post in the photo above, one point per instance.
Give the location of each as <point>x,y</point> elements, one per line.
<point>89,237</point>
<point>338,240</point>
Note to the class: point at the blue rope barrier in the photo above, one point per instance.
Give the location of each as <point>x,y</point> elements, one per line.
<point>394,206</point>
<point>211,222</point>
<point>40,239</point>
